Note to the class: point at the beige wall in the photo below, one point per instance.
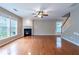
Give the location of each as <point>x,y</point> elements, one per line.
<point>19,29</point>
<point>40,26</point>
<point>44,27</point>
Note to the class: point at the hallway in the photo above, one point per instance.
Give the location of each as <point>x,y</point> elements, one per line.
<point>40,45</point>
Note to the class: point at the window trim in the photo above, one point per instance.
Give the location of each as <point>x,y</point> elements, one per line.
<point>10,27</point>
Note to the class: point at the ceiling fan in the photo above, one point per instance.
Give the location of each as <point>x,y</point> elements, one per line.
<point>40,13</point>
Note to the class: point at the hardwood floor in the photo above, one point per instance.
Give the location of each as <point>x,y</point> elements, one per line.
<point>40,45</point>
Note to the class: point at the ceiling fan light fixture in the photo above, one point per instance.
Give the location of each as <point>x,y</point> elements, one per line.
<point>41,13</point>
<point>40,16</point>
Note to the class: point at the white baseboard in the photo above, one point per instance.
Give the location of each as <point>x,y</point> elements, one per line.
<point>10,41</point>
<point>71,41</point>
<point>46,34</point>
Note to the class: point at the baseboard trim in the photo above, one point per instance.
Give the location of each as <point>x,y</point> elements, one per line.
<point>70,41</point>
<point>45,35</point>
<point>1,45</point>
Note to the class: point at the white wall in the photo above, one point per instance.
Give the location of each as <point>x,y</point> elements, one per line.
<point>44,27</point>
<point>20,27</point>
<point>71,28</point>
<point>27,23</point>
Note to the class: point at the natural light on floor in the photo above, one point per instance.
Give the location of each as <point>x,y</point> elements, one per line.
<point>58,42</point>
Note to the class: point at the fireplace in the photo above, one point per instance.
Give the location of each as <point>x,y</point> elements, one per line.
<point>28,32</point>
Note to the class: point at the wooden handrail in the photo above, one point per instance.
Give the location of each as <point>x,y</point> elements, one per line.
<point>67,15</point>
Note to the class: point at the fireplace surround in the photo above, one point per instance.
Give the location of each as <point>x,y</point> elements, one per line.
<point>27,32</point>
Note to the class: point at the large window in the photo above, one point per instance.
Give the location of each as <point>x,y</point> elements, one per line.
<point>58,26</point>
<point>13,27</point>
<point>8,27</point>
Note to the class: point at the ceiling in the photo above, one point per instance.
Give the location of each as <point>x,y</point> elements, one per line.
<point>25,10</point>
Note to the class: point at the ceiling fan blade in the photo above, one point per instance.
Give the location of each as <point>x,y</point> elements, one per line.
<point>45,14</point>
<point>35,12</point>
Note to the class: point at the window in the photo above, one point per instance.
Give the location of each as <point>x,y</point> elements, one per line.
<point>13,27</point>
<point>8,27</point>
<point>58,26</point>
<point>4,27</point>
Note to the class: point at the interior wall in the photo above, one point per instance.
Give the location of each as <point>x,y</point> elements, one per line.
<point>44,27</point>
<point>40,26</point>
<point>70,29</point>
<point>20,30</point>
<point>27,23</point>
